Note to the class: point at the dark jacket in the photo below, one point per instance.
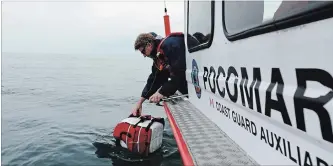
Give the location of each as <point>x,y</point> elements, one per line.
<point>174,49</point>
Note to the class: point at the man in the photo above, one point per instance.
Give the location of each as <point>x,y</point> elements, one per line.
<point>168,55</point>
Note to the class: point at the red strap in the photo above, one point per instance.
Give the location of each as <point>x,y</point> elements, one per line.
<point>159,64</point>
<point>159,50</point>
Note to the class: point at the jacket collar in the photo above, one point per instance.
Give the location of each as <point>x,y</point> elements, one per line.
<point>154,51</point>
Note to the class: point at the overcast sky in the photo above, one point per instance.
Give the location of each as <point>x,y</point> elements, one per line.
<point>83,27</point>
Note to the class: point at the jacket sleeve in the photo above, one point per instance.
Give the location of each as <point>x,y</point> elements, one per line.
<point>154,81</point>
<point>176,57</point>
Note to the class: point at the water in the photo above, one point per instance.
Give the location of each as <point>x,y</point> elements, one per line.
<point>55,106</point>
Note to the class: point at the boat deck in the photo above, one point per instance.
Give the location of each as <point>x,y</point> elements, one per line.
<point>200,141</point>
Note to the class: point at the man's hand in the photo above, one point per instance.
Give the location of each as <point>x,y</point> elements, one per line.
<point>155,98</point>
<point>137,109</point>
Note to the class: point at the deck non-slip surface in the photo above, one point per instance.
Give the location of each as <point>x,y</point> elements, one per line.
<point>208,145</point>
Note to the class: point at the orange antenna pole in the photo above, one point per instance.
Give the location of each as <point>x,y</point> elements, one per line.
<point>166,21</point>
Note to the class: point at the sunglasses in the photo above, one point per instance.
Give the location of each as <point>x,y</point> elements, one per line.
<point>143,51</point>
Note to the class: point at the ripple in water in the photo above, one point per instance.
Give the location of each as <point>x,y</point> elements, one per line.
<point>106,148</point>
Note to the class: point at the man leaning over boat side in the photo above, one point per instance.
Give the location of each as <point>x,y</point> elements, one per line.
<point>168,55</point>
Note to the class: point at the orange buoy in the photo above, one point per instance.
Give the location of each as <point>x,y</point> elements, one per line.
<point>166,22</point>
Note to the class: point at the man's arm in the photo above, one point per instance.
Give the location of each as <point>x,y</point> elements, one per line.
<point>142,99</point>
<point>154,81</point>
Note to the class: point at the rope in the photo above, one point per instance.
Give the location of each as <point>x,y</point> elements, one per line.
<point>165,9</point>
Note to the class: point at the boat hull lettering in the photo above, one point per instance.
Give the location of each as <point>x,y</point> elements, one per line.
<point>249,95</point>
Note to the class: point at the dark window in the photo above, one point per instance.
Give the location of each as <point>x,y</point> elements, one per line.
<point>200,26</point>
<point>243,15</point>
<point>242,19</point>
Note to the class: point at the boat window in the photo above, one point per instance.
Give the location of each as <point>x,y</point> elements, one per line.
<point>243,15</point>
<point>199,25</point>
<point>247,18</point>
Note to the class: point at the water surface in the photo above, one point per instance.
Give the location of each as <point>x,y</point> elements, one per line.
<point>55,106</point>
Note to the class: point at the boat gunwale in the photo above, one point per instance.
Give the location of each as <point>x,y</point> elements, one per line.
<point>182,146</point>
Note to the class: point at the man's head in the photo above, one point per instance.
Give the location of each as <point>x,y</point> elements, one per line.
<point>145,44</point>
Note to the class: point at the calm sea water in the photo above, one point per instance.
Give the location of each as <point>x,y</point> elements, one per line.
<point>55,106</point>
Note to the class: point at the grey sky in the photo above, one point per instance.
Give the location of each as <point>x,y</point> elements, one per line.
<point>84,27</point>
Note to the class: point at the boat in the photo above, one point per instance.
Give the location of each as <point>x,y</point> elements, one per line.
<point>260,82</point>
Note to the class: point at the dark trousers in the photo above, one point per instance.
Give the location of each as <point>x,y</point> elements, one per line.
<point>183,87</point>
